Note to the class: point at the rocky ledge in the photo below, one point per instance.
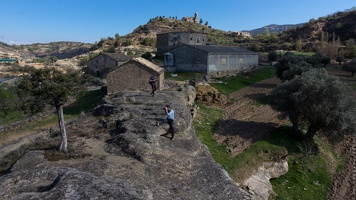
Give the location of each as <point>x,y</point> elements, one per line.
<point>125,156</point>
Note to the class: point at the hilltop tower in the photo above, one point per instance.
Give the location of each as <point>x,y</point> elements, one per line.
<point>196,17</point>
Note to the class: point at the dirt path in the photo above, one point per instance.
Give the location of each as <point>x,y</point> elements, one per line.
<point>243,122</point>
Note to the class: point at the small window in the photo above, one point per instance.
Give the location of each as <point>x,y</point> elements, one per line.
<point>198,40</point>
<point>191,38</point>
<point>223,61</point>
<point>241,60</point>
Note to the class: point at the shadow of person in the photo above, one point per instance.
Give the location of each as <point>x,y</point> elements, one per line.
<point>168,132</point>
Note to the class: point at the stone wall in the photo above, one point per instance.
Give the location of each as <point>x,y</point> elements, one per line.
<point>170,40</point>
<point>131,76</point>
<point>187,58</point>
<point>21,123</point>
<point>100,65</point>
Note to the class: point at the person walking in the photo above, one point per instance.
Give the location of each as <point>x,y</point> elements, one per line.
<point>153,84</point>
<point>169,119</point>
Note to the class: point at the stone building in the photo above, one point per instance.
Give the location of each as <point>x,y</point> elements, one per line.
<point>215,61</point>
<point>241,34</point>
<point>169,40</point>
<point>191,19</point>
<point>134,75</point>
<point>101,64</point>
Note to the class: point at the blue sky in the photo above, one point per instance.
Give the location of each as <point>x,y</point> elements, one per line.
<point>43,21</point>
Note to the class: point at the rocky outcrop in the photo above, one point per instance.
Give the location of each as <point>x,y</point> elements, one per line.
<point>32,178</point>
<point>124,155</point>
<point>258,184</point>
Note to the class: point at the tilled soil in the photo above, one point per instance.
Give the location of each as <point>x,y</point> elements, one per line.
<point>244,122</point>
<point>344,184</point>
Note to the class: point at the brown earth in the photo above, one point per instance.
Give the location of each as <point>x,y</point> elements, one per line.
<point>245,121</point>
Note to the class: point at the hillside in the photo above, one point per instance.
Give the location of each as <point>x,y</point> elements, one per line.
<point>59,49</point>
<point>273,28</point>
<point>342,24</point>
<point>280,36</point>
<point>7,51</point>
<point>158,25</point>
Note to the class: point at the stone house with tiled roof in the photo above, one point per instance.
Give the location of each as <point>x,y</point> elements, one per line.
<point>212,60</point>
<point>101,64</point>
<point>134,75</point>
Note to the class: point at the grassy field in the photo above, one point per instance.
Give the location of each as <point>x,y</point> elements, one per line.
<point>232,84</point>
<point>309,176</point>
<point>183,76</point>
<point>85,101</point>
<point>12,116</point>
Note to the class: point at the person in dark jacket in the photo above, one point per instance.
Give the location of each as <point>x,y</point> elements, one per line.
<point>153,84</point>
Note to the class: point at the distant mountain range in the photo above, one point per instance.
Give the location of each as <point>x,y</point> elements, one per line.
<point>273,28</point>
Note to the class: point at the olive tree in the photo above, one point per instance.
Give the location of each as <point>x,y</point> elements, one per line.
<point>6,98</point>
<point>272,56</point>
<point>350,67</point>
<point>340,59</point>
<point>24,99</point>
<point>325,60</point>
<point>317,101</point>
<point>291,65</point>
<point>54,87</point>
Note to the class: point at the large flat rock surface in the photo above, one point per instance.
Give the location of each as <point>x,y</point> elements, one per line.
<point>119,153</point>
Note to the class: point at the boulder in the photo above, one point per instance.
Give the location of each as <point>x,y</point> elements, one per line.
<point>259,184</point>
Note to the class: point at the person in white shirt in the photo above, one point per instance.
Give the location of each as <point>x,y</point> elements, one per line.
<point>169,119</point>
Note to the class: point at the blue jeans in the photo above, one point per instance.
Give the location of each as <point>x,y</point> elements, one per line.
<point>170,122</point>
